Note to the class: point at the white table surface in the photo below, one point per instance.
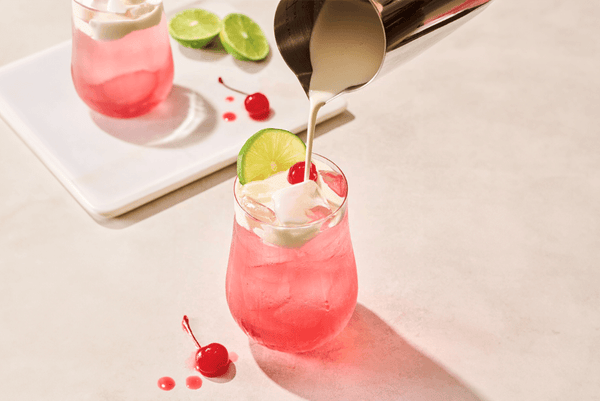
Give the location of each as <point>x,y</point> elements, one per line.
<point>474,177</point>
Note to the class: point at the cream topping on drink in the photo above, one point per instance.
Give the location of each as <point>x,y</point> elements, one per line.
<point>278,195</point>
<point>118,17</point>
<point>288,217</point>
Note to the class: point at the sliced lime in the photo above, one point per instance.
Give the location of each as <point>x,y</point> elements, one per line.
<point>267,152</point>
<point>195,27</point>
<point>243,38</point>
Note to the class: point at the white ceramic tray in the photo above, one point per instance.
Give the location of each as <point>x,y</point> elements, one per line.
<point>112,166</point>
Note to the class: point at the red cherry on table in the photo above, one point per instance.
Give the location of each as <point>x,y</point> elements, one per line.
<point>212,360</point>
<point>296,173</point>
<point>257,105</point>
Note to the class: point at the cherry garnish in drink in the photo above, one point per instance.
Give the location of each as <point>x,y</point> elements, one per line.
<point>212,360</point>
<point>296,173</point>
<point>256,104</point>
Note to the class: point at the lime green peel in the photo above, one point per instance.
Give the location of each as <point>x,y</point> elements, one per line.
<point>268,152</point>
<point>195,28</point>
<point>243,38</point>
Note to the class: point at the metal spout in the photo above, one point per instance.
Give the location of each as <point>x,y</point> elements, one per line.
<point>410,27</point>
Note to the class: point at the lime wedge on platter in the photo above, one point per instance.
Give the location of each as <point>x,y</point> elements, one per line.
<point>195,28</point>
<point>268,152</point>
<point>243,38</point>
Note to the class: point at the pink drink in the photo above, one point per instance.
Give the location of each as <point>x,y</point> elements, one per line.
<point>123,77</point>
<point>292,299</point>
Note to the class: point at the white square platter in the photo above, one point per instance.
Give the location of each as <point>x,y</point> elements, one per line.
<point>111,166</point>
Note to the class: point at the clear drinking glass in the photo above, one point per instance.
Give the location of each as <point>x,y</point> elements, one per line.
<point>121,61</point>
<point>293,288</point>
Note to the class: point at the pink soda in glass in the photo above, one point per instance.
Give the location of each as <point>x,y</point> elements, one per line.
<point>121,61</point>
<point>292,288</point>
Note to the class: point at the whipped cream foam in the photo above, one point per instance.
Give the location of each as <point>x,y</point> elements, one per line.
<point>284,216</point>
<point>116,18</point>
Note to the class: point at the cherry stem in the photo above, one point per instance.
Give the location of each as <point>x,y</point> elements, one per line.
<point>230,88</point>
<point>188,329</point>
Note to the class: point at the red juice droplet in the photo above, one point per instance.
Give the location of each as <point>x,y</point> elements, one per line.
<point>229,116</point>
<point>166,383</point>
<point>233,357</point>
<point>193,382</point>
<point>230,98</point>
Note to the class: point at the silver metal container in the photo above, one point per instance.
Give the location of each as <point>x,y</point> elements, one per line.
<point>410,26</point>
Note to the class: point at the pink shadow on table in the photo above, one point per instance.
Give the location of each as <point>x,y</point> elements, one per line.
<point>183,119</point>
<point>367,361</point>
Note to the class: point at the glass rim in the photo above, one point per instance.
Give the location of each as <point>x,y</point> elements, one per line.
<point>97,10</point>
<point>90,8</point>
<point>312,223</point>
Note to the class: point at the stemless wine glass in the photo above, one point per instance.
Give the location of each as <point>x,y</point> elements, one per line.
<point>121,60</point>
<point>293,288</point>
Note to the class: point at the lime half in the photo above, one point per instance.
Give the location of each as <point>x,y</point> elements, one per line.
<point>267,152</point>
<point>243,38</point>
<point>195,27</point>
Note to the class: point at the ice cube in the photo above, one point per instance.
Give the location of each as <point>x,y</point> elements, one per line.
<point>292,205</point>
<point>257,209</point>
<point>262,190</point>
<point>265,287</point>
<point>318,212</point>
<point>335,181</point>
<point>307,304</point>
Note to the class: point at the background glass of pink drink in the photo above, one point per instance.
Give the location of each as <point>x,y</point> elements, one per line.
<point>293,299</point>
<point>122,77</point>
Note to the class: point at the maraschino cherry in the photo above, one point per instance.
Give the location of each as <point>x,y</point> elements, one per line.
<point>296,173</point>
<point>256,104</point>
<point>212,360</point>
